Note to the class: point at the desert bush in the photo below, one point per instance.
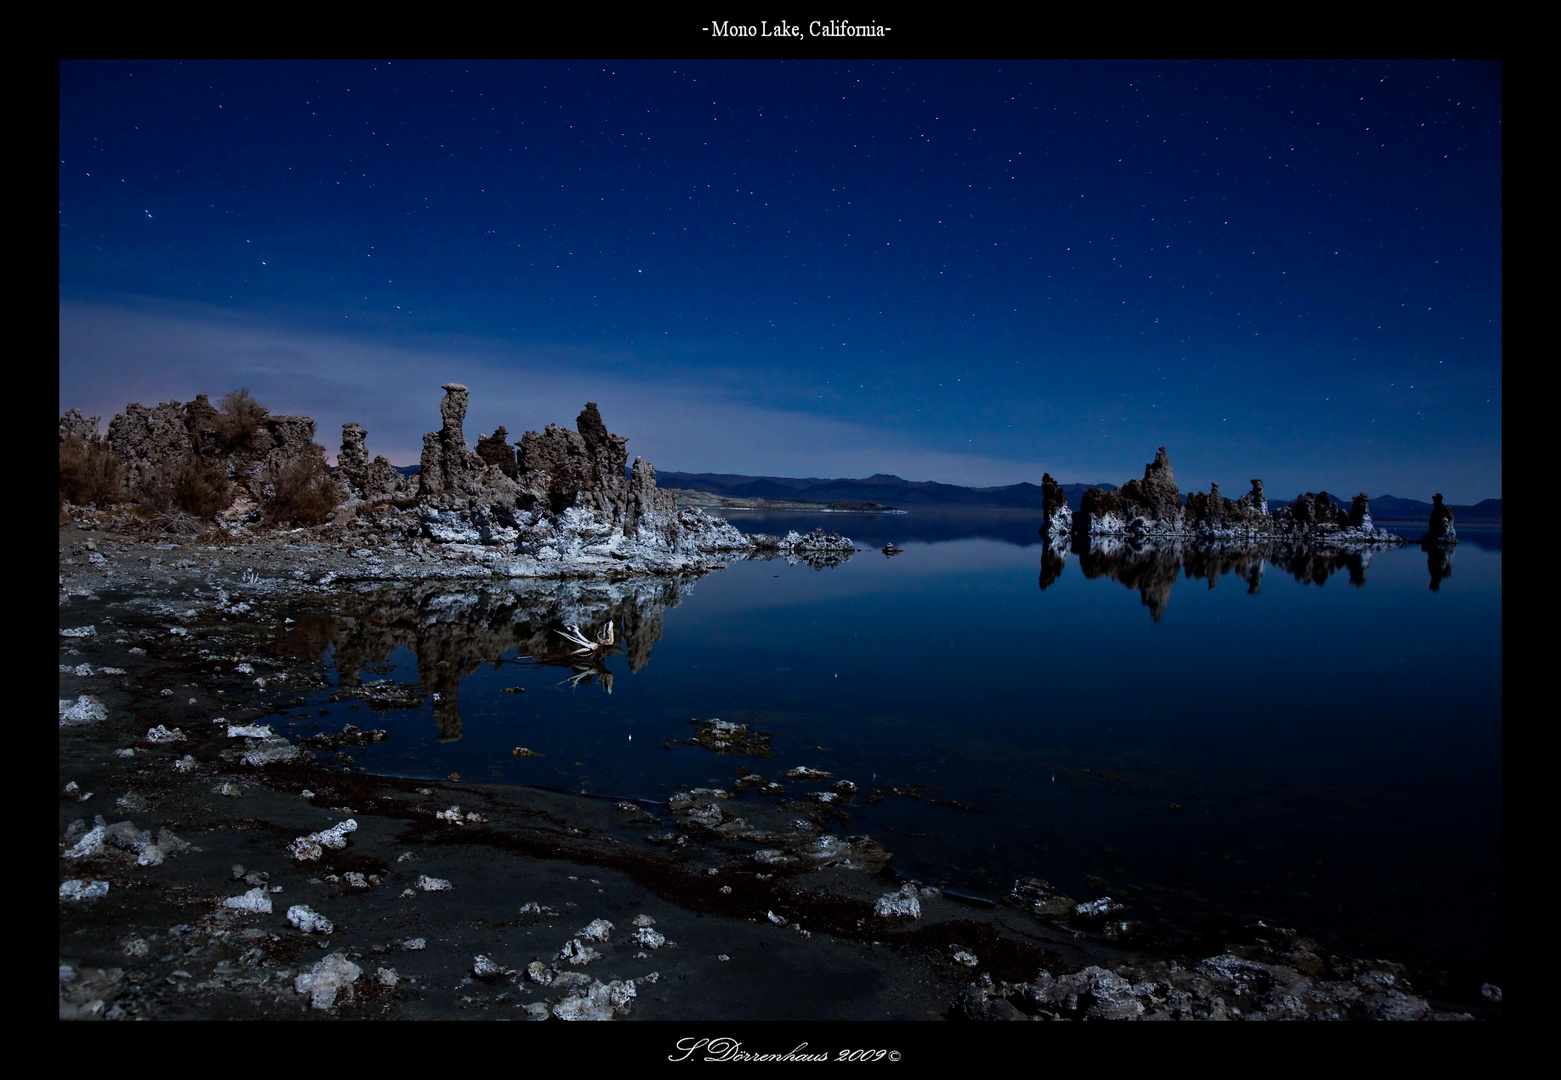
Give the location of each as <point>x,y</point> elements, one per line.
<point>153,493</point>
<point>239,421</point>
<point>89,472</point>
<point>303,491</point>
<point>201,487</point>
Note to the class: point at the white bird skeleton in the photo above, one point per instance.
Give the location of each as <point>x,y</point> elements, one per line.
<point>573,635</point>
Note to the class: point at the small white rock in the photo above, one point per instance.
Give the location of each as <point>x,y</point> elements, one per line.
<point>83,890</point>
<point>256,901</point>
<point>903,904</point>
<point>327,979</point>
<point>309,921</point>
<point>597,930</point>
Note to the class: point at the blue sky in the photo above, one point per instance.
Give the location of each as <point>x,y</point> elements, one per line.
<point>968,272</point>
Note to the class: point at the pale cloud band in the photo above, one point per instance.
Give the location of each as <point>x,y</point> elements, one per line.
<point>112,355</point>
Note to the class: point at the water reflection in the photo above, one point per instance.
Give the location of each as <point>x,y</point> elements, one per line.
<point>1439,561</point>
<point>1284,819</point>
<point>453,634</point>
<point>1153,566</point>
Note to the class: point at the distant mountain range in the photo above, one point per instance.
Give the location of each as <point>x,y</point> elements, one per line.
<point>1392,508</point>
<point>909,494</point>
<point>881,488</point>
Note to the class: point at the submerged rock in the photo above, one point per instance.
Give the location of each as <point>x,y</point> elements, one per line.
<point>1042,901</point>
<point>726,737</point>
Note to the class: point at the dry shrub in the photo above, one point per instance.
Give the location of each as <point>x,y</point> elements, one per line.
<point>238,422</point>
<point>201,487</point>
<point>89,472</point>
<point>176,520</point>
<point>303,491</point>
<point>153,493</point>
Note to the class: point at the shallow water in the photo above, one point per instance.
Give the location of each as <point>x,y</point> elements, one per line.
<point>1330,739</point>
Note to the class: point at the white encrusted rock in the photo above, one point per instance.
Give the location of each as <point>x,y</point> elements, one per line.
<point>904,904</point>
<point>250,731</point>
<point>328,980</point>
<point>597,930</point>
<point>84,710</point>
<point>599,1001</point>
<point>309,920</point>
<point>311,847</point>
<point>575,953</point>
<point>75,890</point>
<point>256,901</point>
<point>90,844</point>
<point>647,938</point>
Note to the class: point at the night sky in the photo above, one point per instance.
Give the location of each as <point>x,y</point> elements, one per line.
<point>967,272</point>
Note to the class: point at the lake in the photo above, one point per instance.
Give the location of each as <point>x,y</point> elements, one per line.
<point>1313,740</point>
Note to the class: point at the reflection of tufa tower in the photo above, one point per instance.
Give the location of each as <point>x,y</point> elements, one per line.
<point>447,716</point>
<point>452,635</point>
<point>1054,559</point>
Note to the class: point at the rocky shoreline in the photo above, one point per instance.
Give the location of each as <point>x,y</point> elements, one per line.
<point>238,872</point>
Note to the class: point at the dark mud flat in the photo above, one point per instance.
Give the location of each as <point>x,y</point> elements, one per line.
<point>459,900</point>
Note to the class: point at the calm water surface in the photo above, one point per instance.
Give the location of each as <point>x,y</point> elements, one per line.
<point>1314,743</point>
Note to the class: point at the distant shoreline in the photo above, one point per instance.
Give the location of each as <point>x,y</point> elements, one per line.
<point>705,500</point>
<point>813,494</point>
<point>811,510</point>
